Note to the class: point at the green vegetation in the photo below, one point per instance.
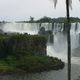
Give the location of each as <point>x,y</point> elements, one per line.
<point>20,45</point>
<point>58,20</point>
<point>25,53</point>
<point>46,19</point>
<point>29,64</point>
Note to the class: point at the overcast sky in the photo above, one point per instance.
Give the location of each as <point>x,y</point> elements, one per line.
<point>22,9</point>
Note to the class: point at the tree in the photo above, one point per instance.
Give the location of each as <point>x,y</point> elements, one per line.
<point>68,40</point>
<point>31,19</point>
<point>68,3</point>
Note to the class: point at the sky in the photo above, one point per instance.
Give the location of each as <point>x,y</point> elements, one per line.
<point>14,10</point>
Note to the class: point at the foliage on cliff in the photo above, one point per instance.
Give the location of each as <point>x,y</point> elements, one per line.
<point>25,53</point>
<point>20,45</point>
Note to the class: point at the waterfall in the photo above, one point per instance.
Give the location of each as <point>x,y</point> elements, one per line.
<point>74,36</point>
<point>59,43</point>
<point>75,39</point>
<point>30,28</point>
<point>60,40</point>
<point>56,28</point>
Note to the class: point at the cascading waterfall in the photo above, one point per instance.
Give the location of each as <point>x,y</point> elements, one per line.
<point>59,47</point>
<point>29,28</point>
<point>74,37</point>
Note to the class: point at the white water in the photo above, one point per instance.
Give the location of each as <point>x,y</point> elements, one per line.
<point>57,49</point>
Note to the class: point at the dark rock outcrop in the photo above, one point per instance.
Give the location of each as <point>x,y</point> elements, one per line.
<point>47,33</point>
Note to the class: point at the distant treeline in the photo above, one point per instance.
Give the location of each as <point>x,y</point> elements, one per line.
<point>50,20</point>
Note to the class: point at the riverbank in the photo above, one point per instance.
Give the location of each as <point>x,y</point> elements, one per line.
<point>30,64</point>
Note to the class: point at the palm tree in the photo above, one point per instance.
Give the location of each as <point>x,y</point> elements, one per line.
<point>68,40</point>
<point>68,4</point>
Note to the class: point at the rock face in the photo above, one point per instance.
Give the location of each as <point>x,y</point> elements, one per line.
<point>42,31</point>
<point>47,33</point>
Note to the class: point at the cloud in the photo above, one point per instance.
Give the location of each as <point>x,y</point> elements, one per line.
<point>22,9</point>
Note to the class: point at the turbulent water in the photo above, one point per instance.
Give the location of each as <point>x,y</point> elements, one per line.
<point>58,48</point>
